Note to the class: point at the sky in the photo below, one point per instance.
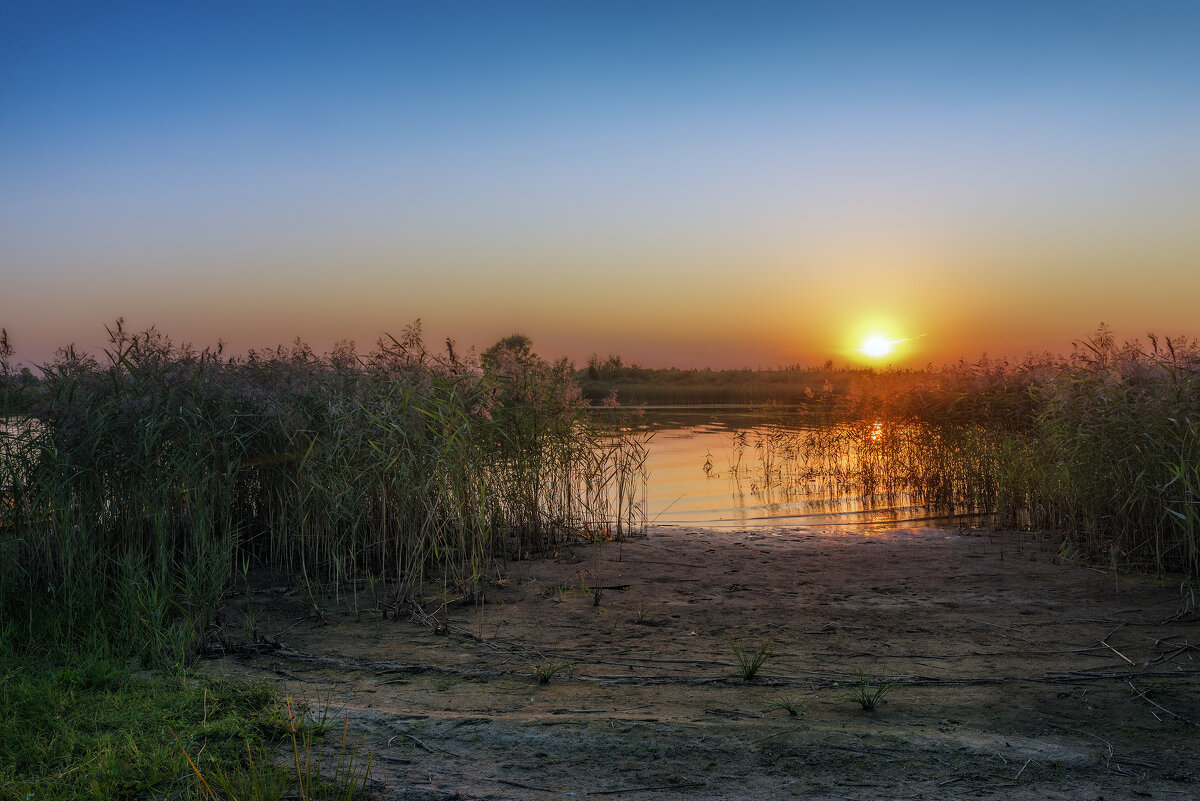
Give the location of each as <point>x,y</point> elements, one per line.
<point>687,184</point>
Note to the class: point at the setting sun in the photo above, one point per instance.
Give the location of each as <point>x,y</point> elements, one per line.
<point>876,346</point>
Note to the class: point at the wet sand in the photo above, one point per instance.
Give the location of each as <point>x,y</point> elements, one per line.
<point>1016,676</point>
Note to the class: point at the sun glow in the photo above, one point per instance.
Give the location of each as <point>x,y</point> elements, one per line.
<point>876,346</point>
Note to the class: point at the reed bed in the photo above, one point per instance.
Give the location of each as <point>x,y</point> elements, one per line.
<point>135,489</point>
<point>1101,445</point>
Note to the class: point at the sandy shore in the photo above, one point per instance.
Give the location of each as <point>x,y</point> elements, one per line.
<point>1016,676</point>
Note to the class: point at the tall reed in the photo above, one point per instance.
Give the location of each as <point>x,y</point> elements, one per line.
<point>134,487</point>
<point>1120,435</point>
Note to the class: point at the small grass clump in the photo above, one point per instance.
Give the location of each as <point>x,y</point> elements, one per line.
<point>794,707</point>
<point>866,694</point>
<point>750,661</point>
<point>544,672</point>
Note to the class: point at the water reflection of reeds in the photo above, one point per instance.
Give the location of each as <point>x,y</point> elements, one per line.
<point>1101,447</point>
<point>863,466</point>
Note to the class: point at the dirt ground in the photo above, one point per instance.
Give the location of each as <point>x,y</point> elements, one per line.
<point>1014,675</point>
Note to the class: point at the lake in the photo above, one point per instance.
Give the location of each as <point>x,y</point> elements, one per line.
<point>723,467</point>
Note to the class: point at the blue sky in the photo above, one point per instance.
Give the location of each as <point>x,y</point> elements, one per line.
<point>682,183</point>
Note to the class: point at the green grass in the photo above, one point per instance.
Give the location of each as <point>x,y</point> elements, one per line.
<point>93,730</point>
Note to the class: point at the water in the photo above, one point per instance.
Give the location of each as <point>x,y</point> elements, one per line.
<point>740,468</point>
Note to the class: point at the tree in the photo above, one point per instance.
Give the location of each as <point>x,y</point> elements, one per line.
<point>515,347</point>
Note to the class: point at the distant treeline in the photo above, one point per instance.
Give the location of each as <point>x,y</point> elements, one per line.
<point>989,388</point>
<point>612,380</point>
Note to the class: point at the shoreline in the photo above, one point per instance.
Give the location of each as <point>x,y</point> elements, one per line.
<point>1012,673</point>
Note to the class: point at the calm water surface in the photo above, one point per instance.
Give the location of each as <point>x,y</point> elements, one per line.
<point>707,468</point>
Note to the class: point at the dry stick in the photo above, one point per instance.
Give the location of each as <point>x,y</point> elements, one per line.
<point>525,786</point>
<point>433,623</point>
<point>1108,759</point>
<point>431,750</point>
<point>596,711</point>
<point>1104,642</point>
<point>1115,651</point>
<point>1022,770</point>
<point>646,789</point>
<point>1142,694</point>
<point>1170,656</point>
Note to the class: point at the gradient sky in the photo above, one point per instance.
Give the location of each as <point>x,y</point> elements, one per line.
<point>682,183</point>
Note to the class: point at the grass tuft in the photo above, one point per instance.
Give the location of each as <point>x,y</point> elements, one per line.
<point>795,708</point>
<point>544,672</point>
<point>867,695</point>
<point>751,661</point>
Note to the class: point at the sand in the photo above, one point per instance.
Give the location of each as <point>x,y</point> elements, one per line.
<point>1015,675</point>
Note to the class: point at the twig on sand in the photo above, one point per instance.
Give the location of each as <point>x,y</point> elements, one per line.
<point>525,786</point>
<point>1006,628</point>
<point>1170,656</point>
<point>1104,642</point>
<point>1142,694</point>
<point>426,747</point>
<point>438,627</point>
<point>1022,770</point>
<point>647,789</point>
<point>1107,745</point>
